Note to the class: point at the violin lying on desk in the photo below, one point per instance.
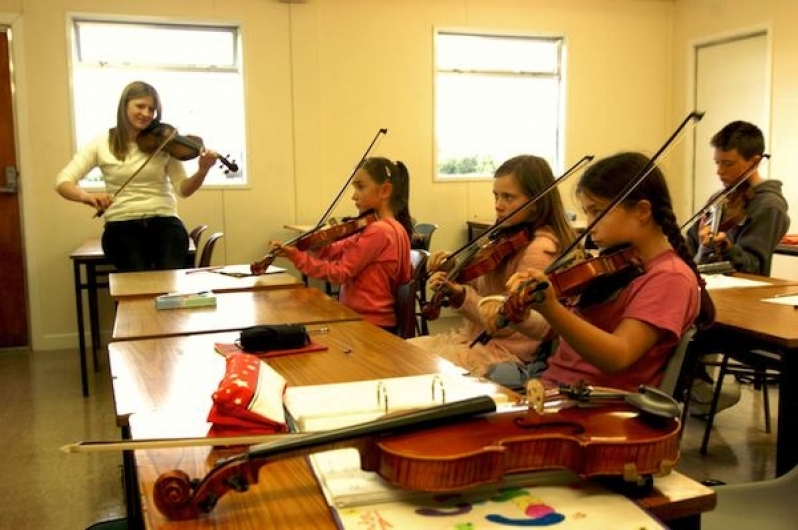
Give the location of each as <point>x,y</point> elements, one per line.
<point>455,446</point>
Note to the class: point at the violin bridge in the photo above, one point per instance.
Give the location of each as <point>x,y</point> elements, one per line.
<point>535,395</point>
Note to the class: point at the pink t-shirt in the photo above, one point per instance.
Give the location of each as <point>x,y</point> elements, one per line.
<point>369,266</point>
<point>666,297</point>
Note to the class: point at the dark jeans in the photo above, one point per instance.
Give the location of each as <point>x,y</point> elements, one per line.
<point>152,243</point>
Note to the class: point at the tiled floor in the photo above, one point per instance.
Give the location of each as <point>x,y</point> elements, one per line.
<point>42,409</point>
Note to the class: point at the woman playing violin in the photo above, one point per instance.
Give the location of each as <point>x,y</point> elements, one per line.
<point>142,229</point>
<point>625,340</point>
<point>514,183</point>
<point>372,263</point>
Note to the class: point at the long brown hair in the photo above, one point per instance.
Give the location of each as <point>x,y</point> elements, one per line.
<point>534,174</point>
<point>117,137</point>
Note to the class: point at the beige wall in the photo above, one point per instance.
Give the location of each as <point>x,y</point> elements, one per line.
<point>321,77</point>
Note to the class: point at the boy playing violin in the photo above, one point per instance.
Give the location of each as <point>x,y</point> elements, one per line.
<point>753,235</point>
<point>625,339</point>
<point>749,243</point>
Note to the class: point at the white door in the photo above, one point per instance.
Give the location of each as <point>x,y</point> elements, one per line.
<point>732,82</point>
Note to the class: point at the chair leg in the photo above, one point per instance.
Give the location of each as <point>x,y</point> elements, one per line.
<point>763,376</point>
<point>714,406</point>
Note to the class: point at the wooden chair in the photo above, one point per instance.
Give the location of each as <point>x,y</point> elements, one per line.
<point>207,250</point>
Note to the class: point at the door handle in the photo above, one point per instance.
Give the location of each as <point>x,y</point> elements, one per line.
<point>12,184</point>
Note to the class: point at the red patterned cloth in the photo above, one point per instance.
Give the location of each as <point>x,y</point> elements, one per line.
<point>249,399</point>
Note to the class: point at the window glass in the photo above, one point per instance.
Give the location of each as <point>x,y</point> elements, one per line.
<point>197,73</point>
<point>495,97</point>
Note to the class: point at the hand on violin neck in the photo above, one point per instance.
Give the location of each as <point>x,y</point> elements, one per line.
<point>439,261</point>
<point>453,291</point>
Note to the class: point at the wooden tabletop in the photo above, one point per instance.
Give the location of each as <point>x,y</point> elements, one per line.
<point>176,376</point>
<point>743,308</point>
<point>137,318</point>
<point>153,283</point>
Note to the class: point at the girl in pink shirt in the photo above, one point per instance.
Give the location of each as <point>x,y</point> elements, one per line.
<point>624,339</point>
<point>370,264</point>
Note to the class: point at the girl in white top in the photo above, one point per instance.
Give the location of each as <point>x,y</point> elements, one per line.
<point>142,229</point>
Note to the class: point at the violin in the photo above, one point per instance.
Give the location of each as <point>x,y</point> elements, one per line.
<point>480,261</point>
<point>455,446</point>
<point>588,282</point>
<point>321,237</point>
<point>182,147</point>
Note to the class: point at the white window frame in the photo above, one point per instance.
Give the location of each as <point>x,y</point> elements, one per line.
<point>219,122</point>
<point>496,72</point>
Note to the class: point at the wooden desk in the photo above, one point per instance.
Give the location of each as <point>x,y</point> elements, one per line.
<point>137,318</point>
<point>153,283</point>
<point>150,375</point>
<point>90,269</point>
<point>162,388</point>
<point>745,323</point>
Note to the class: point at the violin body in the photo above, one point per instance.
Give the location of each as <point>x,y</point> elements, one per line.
<point>480,261</point>
<point>325,236</point>
<point>591,280</point>
<point>319,238</point>
<point>182,147</point>
<point>435,451</point>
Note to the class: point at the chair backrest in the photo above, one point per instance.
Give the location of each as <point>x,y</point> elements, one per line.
<point>405,309</point>
<point>196,233</point>
<point>677,371</point>
<point>678,378</point>
<point>423,235</point>
<point>207,250</point>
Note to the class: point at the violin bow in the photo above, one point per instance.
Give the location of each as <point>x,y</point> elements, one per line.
<point>138,170</point>
<point>337,198</point>
<point>720,197</point>
<point>564,258</point>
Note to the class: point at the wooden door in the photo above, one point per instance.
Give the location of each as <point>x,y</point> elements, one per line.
<point>13,302</point>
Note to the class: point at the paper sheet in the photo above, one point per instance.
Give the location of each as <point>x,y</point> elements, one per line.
<point>783,300</point>
<point>721,281</point>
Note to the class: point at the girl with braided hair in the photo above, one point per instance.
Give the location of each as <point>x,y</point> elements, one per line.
<point>625,340</point>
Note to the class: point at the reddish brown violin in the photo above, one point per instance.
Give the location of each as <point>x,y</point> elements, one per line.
<point>179,146</point>
<point>479,261</point>
<point>444,449</point>
<point>320,238</point>
<point>573,281</point>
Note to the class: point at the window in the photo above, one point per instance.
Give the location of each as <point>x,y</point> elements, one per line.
<point>196,70</point>
<point>495,97</point>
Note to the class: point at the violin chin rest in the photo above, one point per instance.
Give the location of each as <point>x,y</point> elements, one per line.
<point>655,402</point>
